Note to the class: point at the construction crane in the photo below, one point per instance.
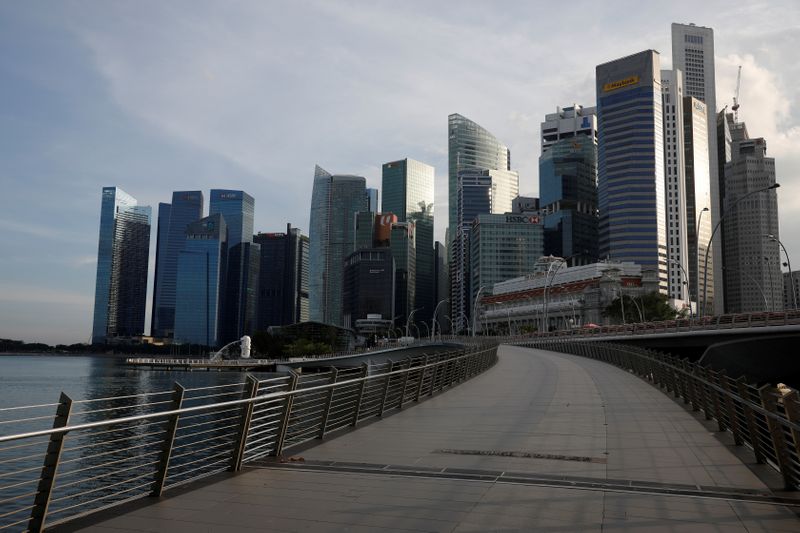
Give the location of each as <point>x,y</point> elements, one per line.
<point>735,106</point>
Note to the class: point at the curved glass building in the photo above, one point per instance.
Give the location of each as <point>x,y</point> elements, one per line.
<point>335,200</point>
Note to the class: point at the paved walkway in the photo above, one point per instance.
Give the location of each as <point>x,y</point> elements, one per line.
<point>542,441</point>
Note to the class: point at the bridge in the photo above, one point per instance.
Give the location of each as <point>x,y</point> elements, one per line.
<point>556,434</point>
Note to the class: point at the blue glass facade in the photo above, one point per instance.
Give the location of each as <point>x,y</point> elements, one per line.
<point>238,208</point>
<point>173,219</point>
<point>123,254</point>
<point>335,200</point>
<point>200,282</point>
<point>631,185</point>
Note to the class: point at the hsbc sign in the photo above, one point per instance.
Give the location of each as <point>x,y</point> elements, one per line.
<point>522,219</point>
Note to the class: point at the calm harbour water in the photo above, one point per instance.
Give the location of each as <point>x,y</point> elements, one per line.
<point>34,379</point>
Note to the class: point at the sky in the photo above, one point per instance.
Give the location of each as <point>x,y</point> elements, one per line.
<point>157,96</point>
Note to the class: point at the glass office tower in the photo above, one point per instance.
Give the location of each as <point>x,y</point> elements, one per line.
<point>404,252</point>
<point>335,200</point>
<point>283,278</point>
<point>238,208</point>
<point>123,254</point>
<point>173,219</point>
<point>408,193</point>
<point>201,280</point>
<point>631,163</point>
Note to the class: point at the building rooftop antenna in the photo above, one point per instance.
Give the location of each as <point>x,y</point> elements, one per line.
<point>735,106</point>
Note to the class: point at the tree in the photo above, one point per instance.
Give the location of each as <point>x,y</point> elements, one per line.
<point>649,307</point>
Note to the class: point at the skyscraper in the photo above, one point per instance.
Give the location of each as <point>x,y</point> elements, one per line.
<point>698,197</point>
<point>238,208</point>
<point>408,193</point>
<point>631,163</point>
<point>442,286</point>
<point>283,278</point>
<point>123,254</point>
<point>693,54</point>
<point>173,219</point>
<point>372,200</point>
<point>754,281</point>
<point>368,288</point>
<point>404,251</point>
<point>675,177</point>
<point>201,282</point>
<point>568,184</point>
<point>334,202</point>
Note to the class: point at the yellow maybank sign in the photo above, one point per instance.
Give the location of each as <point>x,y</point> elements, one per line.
<point>620,83</point>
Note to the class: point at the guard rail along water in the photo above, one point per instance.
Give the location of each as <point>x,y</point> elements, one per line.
<point>764,418</point>
<point>98,453</point>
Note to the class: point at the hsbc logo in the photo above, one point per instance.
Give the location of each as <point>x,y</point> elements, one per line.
<point>520,219</point>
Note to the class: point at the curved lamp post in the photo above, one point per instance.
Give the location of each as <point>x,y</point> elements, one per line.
<point>714,232</point>
<point>475,307</point>
<point>433,320</point>
<point>788,264</point>
<point>685,274</point>
<point>771,285</point>
<point>410,316</point>
<point>548,280</point>
<point>697,261</point>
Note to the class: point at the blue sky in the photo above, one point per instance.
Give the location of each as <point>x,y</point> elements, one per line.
<point>161,96</point>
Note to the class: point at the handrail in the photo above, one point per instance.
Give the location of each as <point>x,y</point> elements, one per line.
<point>765,418</point>
<point>120,458</point>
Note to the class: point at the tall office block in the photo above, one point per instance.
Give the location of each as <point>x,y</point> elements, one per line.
<point>369,285</point>
<point>676,195</point>
<point>503,247</point>
<point>470,147</point>
<point>408,193</point>
<point>442,285</point>
<point>791,282</point>
<point>372,200</point>
<point>404,251</point>
<point>238,208</point>
<point>698,197</point>
<point>334,202</point>
<point>568,184</point>
<point>123,254</point>
<point>173,219</point>
<point>567,123</point>
<point>754,281</point>
<point>631,163</point>
<point>201,282</point>
<point>693,54</point>
<point>365,230</point>
<point>283,278</point>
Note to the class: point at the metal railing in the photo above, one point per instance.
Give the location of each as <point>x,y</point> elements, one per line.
<point>764,418</point>
<point>98,453</point>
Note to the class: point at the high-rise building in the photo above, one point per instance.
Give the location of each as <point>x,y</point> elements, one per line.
<point>470,147</point>
<point>567,123</point>
<point>408,193</point>
<point>568,184</point>
<point>693,54</point>
<point>442,286</point>
<point>754,281</point>
<point>123,254</point>
<point>201,282</point>
<point>365,230</point>
<point>698,197</point>
<point>404,251</point>
<point>283,278</point>
<point>676,194</point>
<point>631,163</point>
<point>238,208</point>
<point>369,278</point>
<point>173,219</point>
<point>335,200</point>
<point>791,283</point>
<point>528,204</point>
<point>503,247</point>
<point>372,200</point>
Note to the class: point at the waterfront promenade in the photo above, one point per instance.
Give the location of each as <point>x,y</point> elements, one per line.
<point>541,441</point>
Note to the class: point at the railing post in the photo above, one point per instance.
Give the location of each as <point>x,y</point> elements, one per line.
<point>405,384</point>
<point>169,439</point>
<point>755,442</point>
<point>421,379</point>
<point>435,374</point>
<point>360,397</point>
<point>386,388</point>
<point>328,402</point>
<point>769,402</point>
<point>287,411</point>
<point>730,407</point>
<point>47,478</point>
<point>245,417</point>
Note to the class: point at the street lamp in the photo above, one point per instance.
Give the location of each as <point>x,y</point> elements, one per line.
<point>714,232</point>
<point>410,316</point>
<point>433,320</point>
<point>683,270</point>
<point>697,263</point>
<point>475,307</point>
<point>561,262</point>
<point>788,263</point>
<point>771,285</point>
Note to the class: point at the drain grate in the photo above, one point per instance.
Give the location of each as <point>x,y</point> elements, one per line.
<point>525,455</point>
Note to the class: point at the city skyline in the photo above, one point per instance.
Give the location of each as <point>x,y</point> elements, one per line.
<point>151,144</point>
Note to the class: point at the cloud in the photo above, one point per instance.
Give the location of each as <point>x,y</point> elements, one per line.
<point>33,294</point>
